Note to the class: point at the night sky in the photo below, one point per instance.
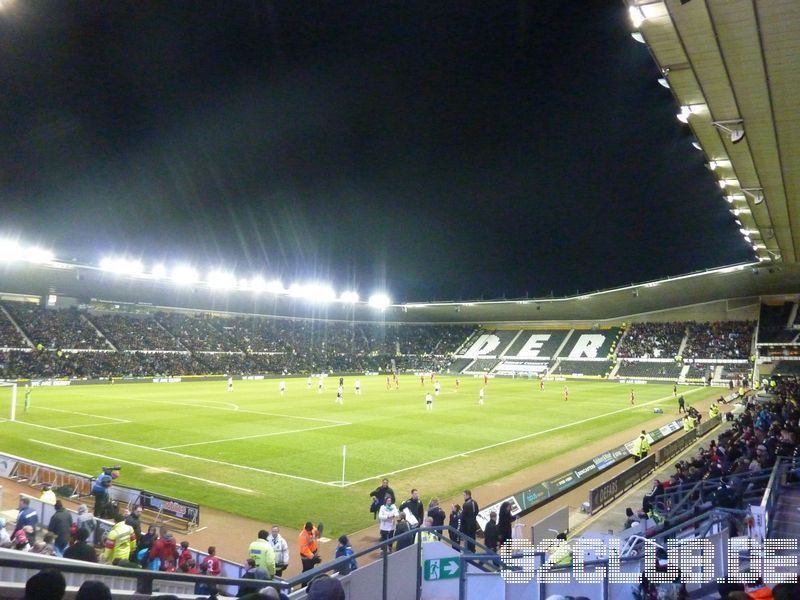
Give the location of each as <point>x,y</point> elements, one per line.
<point>446,150</point>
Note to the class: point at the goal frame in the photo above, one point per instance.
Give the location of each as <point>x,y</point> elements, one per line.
<point>13,385</point>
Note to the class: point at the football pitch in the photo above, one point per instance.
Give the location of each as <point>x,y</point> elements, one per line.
<point>279,458</point>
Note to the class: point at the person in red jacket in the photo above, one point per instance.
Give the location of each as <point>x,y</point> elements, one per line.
<point>165,549</point>
<point>185,554</point>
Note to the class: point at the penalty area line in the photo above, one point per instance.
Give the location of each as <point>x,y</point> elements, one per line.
<point>248,437</point>
<point>72,412</point>
<point>516,439</point>
<point>129,462</point>
<point>178,454</point>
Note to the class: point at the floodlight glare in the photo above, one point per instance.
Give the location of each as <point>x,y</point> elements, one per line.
<point>10,251</point>
<point>184,274</point>
<point>275,287</point>
<point>221,280</point>
<point>697,145</point>
<point>662,81</point>
<point>349,297</point>
<point>158,271</point>
<point>636,15</point>
<point>637,35</point>
<point>38,255</point>
<point>380,301</point>
<point>319,292</point>
<point>122,266</point>
<point>257,284</point>
<point>684,115</point>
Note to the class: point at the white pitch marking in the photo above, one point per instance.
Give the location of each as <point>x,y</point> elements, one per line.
<point>516,439</point>
<point>181,455</point>
<point>242,410</point>
<point>247,437</point>
<point>198,530</point>
<point>72,412</point>
<point>90,425</point>
<point>128,462</point>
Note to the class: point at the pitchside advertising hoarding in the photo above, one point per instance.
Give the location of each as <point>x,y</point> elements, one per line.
<point>539,493</point>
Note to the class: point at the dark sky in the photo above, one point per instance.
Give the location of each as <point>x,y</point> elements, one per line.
<point>443,150</point>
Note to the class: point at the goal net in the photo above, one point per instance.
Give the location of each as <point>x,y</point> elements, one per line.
<point>8,401</point>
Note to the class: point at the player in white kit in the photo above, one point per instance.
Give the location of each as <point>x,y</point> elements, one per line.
<point>230,384</point>
<point>358,387</point>
<point>428,401</point>
<point>340,395</point>
<point>480,397</point>
<point>437,387</point>
<point>283,387</point>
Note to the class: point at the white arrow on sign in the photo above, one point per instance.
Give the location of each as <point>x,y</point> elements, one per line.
<point>451,568</point>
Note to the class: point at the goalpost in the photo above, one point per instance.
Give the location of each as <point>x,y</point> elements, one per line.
<point>13,386</point>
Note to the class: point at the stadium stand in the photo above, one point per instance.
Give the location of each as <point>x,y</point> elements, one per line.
<point>483,364</point>
<point>787,368</point>
<point>56,329</point>
<point>639,369</point>
<point>546,343</point>
<point>182,344</point>
<point>729,339</point>
<point>459,364</point>
<point>652,340</point>
<point>594,368</point>
<point>135,333</point>
<point>9,335</point>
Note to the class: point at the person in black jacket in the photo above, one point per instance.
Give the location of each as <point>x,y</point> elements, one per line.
<point>402,527</point>
<point>60,525</point>
<point>81,550</point>
<point>455,523</point>
<point>469,519</point>
<point>415,507</point>
<point>379,494</point>
<point>504,520</point>
<point>490,532</point>
<point>436,513</point>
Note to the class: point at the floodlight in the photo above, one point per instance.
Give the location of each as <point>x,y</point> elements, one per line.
<point>221,280</point>
<point>697,145</point>
<point>740,211</point>
<point>10,250</point>
<point>349,297</point>
<point>723,183</point>
<point>662,81</point>
<point>636,15</point>
<point>755,194</point>
<point>158,271</point>
<point>380,301</point>
<point>184,274</point>
<point>731,197</point>
<point>38,255</point>
<point>275,287</point>
<point>733,127</point>
<point>319,292</point>
<point>638,37</point>
<point>684,115</point>
<point>738,222</point>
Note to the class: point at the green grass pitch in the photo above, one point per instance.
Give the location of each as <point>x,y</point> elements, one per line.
<point>279,458</point>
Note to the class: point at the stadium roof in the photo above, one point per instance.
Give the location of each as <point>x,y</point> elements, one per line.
<point>734,64</point>
<point>740,285</point>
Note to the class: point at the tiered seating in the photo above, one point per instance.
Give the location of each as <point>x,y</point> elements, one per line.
<point>652,340</point>
<point>198,334</point>
<point>661,370</point>
<point>55,329</point>
<point>9,336</point>
<point>135,333</point>
<point>484,364</point>
<point>726,339</point>
<point>547,342</point>
<point>459,365</point>
<point>584,367</point>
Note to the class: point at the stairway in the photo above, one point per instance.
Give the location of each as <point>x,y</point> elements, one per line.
<point>785,520</point>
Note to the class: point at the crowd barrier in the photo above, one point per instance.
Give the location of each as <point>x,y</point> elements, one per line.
<point>164,508</point>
